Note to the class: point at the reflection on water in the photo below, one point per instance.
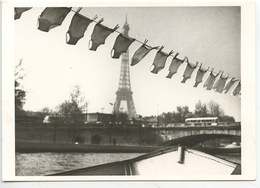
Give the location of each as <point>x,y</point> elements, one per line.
<point>38,164</point>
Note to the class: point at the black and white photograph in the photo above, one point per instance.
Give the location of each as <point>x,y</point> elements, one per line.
<point>129,92</point>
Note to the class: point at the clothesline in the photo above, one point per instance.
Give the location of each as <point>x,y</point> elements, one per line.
<point>114,31</point>
<point>142,43</point>
<point>50,18</point>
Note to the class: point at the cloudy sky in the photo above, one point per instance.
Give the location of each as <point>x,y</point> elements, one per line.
<point>210,35</point>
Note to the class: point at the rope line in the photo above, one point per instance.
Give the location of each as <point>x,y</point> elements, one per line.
<point>144,43</point>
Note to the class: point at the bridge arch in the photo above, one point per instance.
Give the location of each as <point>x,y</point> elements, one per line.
<point>193,140</point>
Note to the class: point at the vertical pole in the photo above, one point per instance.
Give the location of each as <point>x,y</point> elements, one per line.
<point>181,153</point>
<point>113,122</point>
<point>114,119</point>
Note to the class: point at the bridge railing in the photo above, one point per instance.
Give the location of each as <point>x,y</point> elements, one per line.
<point>202,124</point>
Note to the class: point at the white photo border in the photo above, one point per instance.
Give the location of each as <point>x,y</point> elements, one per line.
<point>248,99</point>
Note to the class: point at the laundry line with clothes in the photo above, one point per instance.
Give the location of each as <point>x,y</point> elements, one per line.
<point>52,17</point>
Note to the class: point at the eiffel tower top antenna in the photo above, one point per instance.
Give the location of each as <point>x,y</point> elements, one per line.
<point>126,27</point>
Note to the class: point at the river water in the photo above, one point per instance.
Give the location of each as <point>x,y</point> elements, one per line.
<point>39,164</point>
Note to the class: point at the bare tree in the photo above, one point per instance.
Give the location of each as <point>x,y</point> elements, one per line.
<point>77,100</point>
<point>73,108</point>
<point>201,110</point>
<point>215,109</point>
<point>183,113</point>
<point>19,93</point>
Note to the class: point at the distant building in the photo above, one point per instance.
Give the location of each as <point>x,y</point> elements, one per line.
<point>57,119</point>
<point>99,117</point>
<point>150,121</point>
<point>81,118</point>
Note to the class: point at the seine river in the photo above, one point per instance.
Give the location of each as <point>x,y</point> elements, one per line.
<point>39,164</point>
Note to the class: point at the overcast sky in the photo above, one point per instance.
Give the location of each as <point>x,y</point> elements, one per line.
<point>210,35</point>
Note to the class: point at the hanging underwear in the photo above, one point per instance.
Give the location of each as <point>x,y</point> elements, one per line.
<point>188,71</point>
<point>199,76</point>
<point>141,52</point>
<point>52,17</point>
<point>18,12</point>
<point>229,85</point>
<point>220,84</point>
<point>176,62</point>
<point>121,45</point>
<point>99,35</point>
<point>78,26</point>
<point>210,81</point>
<point>159,60</point>
<point>237,89</point>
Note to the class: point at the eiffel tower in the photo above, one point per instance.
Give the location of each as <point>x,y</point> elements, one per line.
<point>124,92</point>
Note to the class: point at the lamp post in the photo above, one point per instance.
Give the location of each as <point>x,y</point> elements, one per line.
<point>114,121</point>
<point>114,112</point>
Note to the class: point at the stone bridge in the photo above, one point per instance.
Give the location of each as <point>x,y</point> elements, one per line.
<point>125,135</point>
<point>190,136</point>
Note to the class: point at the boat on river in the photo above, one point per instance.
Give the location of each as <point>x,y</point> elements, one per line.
<point>166,162</point>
